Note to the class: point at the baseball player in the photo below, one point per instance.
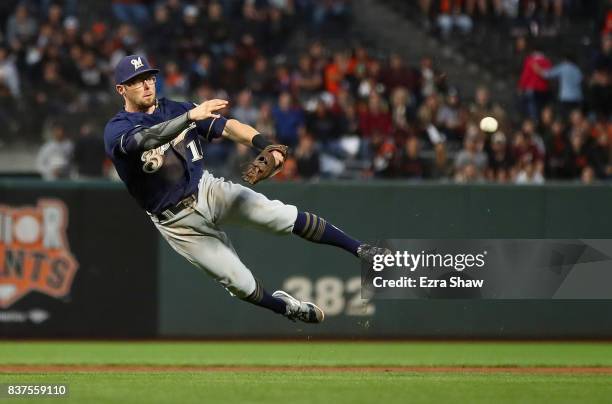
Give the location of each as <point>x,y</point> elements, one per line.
<point>157,147</point>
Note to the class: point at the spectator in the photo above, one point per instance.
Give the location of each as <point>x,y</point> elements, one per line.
<point>133,12</point>
<point>88,156</point>
<point>282,79</point>
<point>397,74</point>
<point>276,30</point>
<point>288,118</point>
<point>162,33</point>
<point>431,80</point>
<point>93,80</point>
<point>368,82</point>
<point>218,31</point>
<point>471,161</point>
<point>383,163</point>
<point>602,59</point>
<point>442,168</point>
<point>337,72</point>
<point>323,124</point>
<point>348,126</point>
<point>451,118</point>
<point>499,159</point>
<point>403,110</point>
<point>532,137</point>
<point>600,94</point>
<point>191,36</point>
<point>201,71</point>
<point>54,157</point>
<point>600,154</point>
<point>588,175</point>
<point>533,88</point>
<point>53,95</point>
<point>8,116</point>
<point>529,173</point>
<point>547,117</point>
<point>245,111</point>
<point>360,60</point>
<point>229,77</point>
<point>558,153</point>
<point>307,157</point>
<point>265,122</point>
<point>528,157</point>
<point>54,17</point>
<point>21,28</point>
<point>329,12</point>
<point>426,10</point>
<point>175,11</point>
<point>8,73</point>
<point>306,80</point>
<point>570,83</point>
<point>468,174</point>
<point>483,106</point>
<point>409,163</point>
<point>175,81</point>
<point>246,51</point>
<point>375,119</point>
<point>259,79</point>
<point>427,114</point>
<point>452,15</point>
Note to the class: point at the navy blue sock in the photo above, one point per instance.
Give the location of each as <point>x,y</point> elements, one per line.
<point>260,297</point>
<point>316,229</point>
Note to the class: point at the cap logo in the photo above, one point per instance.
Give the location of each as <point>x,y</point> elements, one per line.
<point>137,63</point>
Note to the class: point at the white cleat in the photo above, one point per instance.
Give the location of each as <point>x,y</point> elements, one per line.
<point>304,311</point>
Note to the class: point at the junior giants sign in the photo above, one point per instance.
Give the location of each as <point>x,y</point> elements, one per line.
<point>34,251</point>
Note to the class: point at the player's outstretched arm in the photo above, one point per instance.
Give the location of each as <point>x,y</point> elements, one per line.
<point>247,135</point>
<point>239,132</point>
<point>162,133</point>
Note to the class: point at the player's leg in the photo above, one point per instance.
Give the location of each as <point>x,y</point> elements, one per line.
<point>318,230</point>
<point>234,203</point>
<point>210,250</point>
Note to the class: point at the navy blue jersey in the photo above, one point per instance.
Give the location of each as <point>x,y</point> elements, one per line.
<point>161,177</point>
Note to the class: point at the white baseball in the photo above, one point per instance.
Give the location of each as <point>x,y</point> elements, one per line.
<point>489,124</point>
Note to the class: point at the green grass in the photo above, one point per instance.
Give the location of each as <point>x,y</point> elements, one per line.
<point>305,353</point>
<point>295,388</point>
<point>313,386</point>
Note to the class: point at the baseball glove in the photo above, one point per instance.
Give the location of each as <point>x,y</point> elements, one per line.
<point>264,166</point>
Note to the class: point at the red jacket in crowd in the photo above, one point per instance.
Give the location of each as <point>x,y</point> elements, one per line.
<point>530,80</point>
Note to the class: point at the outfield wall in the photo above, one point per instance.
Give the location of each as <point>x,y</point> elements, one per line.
<point>114,244</point>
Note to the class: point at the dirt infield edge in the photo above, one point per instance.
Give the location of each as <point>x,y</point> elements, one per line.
<point>4,369</point>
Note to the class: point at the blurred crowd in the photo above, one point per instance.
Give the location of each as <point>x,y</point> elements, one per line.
<point>534,17</point>
<point>346,112</point>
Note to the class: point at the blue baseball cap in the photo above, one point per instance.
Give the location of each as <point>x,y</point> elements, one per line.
<point>131,66</point>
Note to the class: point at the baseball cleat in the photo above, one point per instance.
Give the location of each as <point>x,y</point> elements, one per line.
<point>366,252</point>
<point>296,310</point>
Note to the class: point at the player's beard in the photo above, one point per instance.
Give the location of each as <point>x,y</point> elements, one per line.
<point>141,103</point>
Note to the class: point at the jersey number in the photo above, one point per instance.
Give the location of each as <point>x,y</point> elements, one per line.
<point>197,155</point>
<point>154,159</point>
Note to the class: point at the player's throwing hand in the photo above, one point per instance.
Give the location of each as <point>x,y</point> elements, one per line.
<point>205,110</point>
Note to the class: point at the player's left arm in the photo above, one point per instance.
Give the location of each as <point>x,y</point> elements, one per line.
<point>245,134</point>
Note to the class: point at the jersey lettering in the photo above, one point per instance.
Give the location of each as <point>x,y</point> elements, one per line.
<point>153,159</point>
